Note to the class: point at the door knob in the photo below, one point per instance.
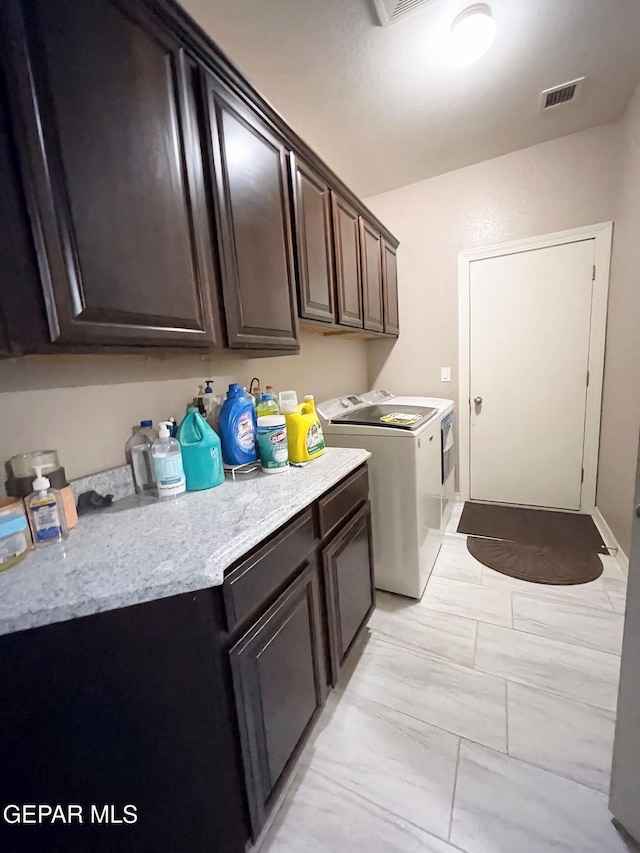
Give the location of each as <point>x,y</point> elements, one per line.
<point>477,401</point>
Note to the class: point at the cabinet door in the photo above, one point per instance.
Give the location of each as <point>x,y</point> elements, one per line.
<point>280,684</point>
<point>349,585</point>
<point>371,254</point>
<point>314,243</point>
<point>104,103</point>
<point>254,225</point>
<point>129,706</point>
<point>390,289</point>
<point>347,253</point>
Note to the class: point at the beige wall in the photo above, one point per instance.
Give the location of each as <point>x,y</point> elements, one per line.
<point>84,406</point>
<point>621,399</point>
<point>561,184</point>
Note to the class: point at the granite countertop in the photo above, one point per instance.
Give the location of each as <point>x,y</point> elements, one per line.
<point>123,558</point>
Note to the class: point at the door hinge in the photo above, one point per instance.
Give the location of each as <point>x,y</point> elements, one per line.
<point>593,277</point>
<point>582,476</point>
<point>587,378</point>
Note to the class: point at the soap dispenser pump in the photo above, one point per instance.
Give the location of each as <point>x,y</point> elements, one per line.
<point>167,462</point>
<point>45,510</point>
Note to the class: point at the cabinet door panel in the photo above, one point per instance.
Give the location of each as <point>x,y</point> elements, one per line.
<point>23,321</point>
<point>254,221</point>
<point>314,243</point>
<point>347,252</point>
<point>370,248</point>
<point>114,169</point>
<point>390,289</point>
<point>280,684</point>
<point>349,584</point>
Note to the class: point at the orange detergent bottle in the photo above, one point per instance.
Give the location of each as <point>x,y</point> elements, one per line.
<point>304,431</point>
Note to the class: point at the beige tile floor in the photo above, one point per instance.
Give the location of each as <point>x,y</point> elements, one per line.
<point>479,719</point>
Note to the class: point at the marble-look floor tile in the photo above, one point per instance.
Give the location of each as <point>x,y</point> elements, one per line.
<point>401,619</point>
<point>586,675</point>
<point>570,622</point>
<point>460,700</point>
<point>611,568</point>
<point>468,599</point>
<point>566,737</point>
<point>401,764</point>
<point>321,816</point>
<point>456,563</point>
<point>617,592</point>
<point>503,805</point>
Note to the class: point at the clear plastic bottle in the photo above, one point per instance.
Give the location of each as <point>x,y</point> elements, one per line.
<point>212,405</point>
<point>267,406</point>
<point>250,397</point>
<point>137,451</point>
<point>45,511</point>
<point>167,463</point>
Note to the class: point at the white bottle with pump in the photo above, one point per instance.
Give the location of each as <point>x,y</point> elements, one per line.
<point>46,513</point>
<point>167,461</point>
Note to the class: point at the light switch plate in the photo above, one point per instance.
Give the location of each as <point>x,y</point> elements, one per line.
<point>445,374</point>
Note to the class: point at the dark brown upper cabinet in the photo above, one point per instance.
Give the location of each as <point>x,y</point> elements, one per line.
<point>371,256</point>
<point>251,188</point>
<point>314,243</point>
<point>390,288</point>
<point>103,106</point>
<point>347,254</point>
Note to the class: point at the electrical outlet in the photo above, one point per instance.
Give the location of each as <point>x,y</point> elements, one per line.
<point>445,374</point>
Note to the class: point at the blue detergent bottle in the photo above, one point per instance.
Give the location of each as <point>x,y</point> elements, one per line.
<point>201,452</point>
<point>238,427</point>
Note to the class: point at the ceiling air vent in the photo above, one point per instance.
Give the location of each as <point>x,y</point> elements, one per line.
<point>390,11</point>
<point>558,95</point>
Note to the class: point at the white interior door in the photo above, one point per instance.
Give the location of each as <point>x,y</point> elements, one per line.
<point>530,317</point>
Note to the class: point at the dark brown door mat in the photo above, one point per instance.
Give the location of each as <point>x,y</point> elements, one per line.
<point>536,563</point>
<point>532,527</point>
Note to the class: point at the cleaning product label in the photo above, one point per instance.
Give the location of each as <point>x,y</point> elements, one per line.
<point>315,439</point>
<point>272,441</point>
<point>246,432</point>
<point>170,473</point>
<point>46,519</point>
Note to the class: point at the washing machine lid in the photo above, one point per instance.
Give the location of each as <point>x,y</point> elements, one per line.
<point>394,416</point>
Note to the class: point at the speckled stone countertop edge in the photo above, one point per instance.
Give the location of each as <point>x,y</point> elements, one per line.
<point>68,601</point>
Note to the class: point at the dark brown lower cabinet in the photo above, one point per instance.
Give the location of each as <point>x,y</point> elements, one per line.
<point>193,708</point>
<point>309,595</point>
<point>132,707</point>
<point>280,684</point>
<point>349,584</point>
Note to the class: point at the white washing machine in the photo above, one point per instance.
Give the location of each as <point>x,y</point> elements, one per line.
<point>412,477</point>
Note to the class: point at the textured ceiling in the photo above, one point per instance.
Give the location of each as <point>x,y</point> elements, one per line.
<point>385,107</point>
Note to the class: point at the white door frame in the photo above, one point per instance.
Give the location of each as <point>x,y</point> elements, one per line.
<point>602,234</point>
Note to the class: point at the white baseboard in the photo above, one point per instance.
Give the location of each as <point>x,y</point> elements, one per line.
<point>610,540</point>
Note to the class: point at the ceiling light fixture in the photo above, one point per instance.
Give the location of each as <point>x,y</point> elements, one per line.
<point>472,34</point>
